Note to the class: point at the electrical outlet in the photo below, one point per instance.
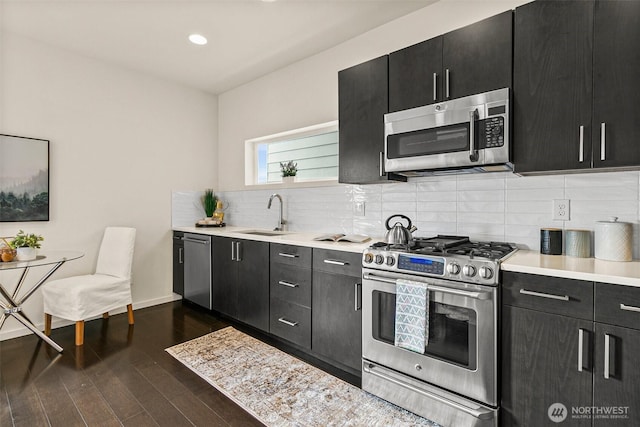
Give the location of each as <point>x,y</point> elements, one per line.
<point>561,209</point>
<point>358,209</point>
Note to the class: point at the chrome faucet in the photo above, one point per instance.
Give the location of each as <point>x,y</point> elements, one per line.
<point>281,221</point>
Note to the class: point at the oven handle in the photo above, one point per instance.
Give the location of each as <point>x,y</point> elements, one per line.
<point>435,288</point>
<point>479,414</point>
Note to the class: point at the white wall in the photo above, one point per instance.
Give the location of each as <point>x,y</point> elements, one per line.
<point>306,93</point>
<point>120,143</point>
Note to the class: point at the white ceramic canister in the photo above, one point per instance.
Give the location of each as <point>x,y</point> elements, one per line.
<point>613,240</point>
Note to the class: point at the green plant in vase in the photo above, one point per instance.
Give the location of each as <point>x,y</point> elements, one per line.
<point>26,245</point>
<point>288,168</point>
<point>209,202</point>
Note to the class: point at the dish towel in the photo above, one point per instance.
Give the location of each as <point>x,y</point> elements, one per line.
<point>412,315</point>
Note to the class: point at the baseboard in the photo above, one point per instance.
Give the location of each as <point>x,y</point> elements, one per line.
<point>20,330</point>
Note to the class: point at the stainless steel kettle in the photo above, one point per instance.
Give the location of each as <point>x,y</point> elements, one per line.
<point>398,234</point>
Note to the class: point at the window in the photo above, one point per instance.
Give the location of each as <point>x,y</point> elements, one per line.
<point>314,149</point>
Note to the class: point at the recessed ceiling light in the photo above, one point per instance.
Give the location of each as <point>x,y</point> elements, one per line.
<point>198,39</point>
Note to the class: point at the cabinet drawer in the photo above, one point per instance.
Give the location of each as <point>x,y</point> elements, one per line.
<point>291,283</point>
<point>291,322</point>
<point>567,297</point>
<point>618,305</point>
<point>339,262</point>
<point>291,255</point>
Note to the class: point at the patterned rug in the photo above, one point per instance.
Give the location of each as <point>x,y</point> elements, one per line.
<point>279,389</point>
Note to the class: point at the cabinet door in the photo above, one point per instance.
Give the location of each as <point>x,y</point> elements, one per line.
<point>178,264</point>
<point>552,86</point>
<point>363,102</point>
<point>621,390</point>
<point>253,283</point>
<point>337,318</point>
<point>616,84</point>
<point>415,75</point>
<point>540,356</point>
<point>479,56</point>
<point>225,292</point>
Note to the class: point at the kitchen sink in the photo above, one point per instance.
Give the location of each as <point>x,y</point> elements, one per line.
<point>263,232</point>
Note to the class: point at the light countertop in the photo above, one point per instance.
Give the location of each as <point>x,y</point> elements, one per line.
<point>289,238</point>
<point>591,269</point>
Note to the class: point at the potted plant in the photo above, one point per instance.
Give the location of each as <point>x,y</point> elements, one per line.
<point>26,245</point>
<point>289,171</point>
<point>209,202</point>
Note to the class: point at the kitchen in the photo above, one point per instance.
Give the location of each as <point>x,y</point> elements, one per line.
<point>498,207</point>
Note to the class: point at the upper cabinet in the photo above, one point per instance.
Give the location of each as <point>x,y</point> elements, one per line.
<point>473,59</point>
<point>363,102</point>
<point>575,64</point>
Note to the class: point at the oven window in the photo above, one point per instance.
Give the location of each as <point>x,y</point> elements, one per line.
<point>443,139</point>
<point>452,329</point>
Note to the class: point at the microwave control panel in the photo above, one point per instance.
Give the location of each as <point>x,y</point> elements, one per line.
<point>491,132</point>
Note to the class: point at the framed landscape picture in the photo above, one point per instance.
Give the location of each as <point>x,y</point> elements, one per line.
<point>24,179</point>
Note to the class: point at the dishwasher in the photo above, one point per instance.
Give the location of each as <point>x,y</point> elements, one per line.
<point>197,269</point>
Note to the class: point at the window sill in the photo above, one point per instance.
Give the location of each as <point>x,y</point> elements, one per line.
<point>295,184</point>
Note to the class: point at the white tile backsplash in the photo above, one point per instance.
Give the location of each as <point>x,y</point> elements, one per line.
<point>496,206</point>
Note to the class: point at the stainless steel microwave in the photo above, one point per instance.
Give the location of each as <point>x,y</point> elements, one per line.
<point>469,134</point>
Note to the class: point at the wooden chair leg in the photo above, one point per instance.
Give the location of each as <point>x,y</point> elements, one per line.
<point>79,332</point>
<point>105,315</point>
<point>47,324</point>
<point>130,313</point>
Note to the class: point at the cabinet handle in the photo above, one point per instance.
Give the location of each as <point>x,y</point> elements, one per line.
<point>581,153</point>
<point>286,255</point>
<point>233,251</point>
<point>603,141</point>
<point>447,83</point>
<point>607,346</point>
<point>584,349</point>
<point>335,262</point>
<point>629,308</point>
<point>288,284</point>
<point>435,86</point>
<point>544,295</point>
<point>180,258</point>
<point>473,153</point>
<point>382,163</point>
<point>358,298</point>
<point>287,322</point>
<point>238,251</point>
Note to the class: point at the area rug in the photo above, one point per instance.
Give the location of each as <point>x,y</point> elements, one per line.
<point>280,390</point>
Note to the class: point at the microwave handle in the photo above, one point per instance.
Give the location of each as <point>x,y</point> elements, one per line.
<point>382,163</point>
<point>473,153</point>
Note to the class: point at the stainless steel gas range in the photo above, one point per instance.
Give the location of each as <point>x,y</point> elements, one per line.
<point>453,380</point>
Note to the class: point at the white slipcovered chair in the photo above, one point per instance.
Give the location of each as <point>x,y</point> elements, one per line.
<point>81,297</point>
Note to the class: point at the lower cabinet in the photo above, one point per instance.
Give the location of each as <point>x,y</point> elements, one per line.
<point>241,280</point>
<point>336,307</point>
<point>565,360</point>
<point>178,262</point>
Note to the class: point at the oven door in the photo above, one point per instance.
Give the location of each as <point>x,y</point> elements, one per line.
<point>461,353</point>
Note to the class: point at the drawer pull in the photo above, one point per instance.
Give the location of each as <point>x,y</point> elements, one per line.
<point>543,295</point>
<point>286,255</point>
<point>287,322</point>
<point>629,308</point>
<point>288,284</point>
<point>335,262</point>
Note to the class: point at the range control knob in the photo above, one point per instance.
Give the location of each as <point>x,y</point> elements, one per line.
<point>453,268</point>
<point>368,258</point>
<point>485,272</point>
<point>379,259</point>
<point>391,260</point>
<point>469,270</point>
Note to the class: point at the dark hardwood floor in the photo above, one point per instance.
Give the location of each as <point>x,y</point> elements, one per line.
<point>121,376</point>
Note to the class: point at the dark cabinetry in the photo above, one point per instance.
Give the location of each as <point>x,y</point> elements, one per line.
<point>241,280</point>
<point>575,68</point>
<point>473,59</point>
<point>178,262</point>
<point>290,302</point>
<point>363,102</point>
<point>337,314</point>
<point>558,349</point>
